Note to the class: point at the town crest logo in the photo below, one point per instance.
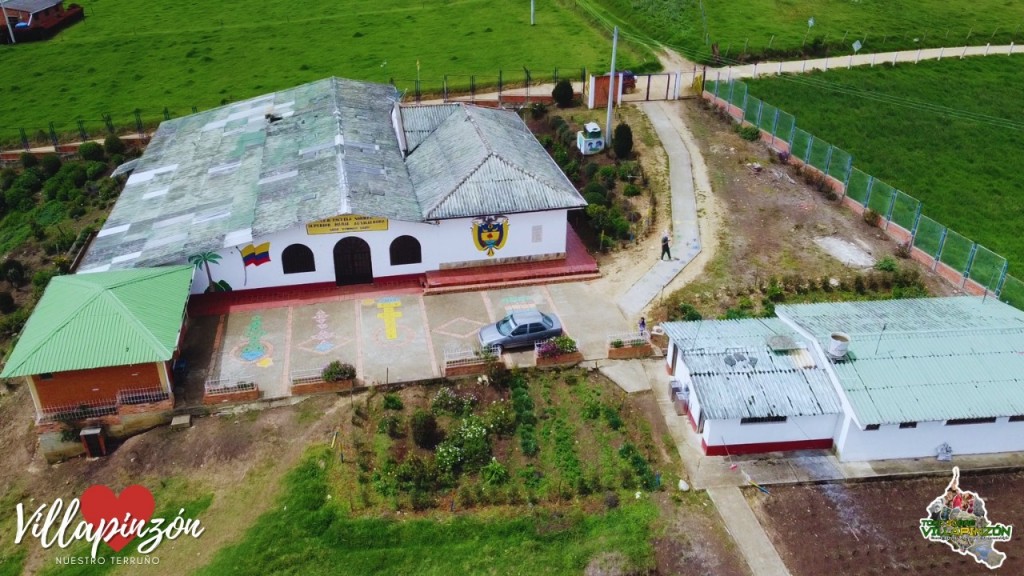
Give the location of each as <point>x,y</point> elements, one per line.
<point>959,519</point>
<point>490,233</point>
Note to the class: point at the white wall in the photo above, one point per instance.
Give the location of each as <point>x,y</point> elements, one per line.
<point>890,441</point>
<point>794,429</point>
<point>447,244</point>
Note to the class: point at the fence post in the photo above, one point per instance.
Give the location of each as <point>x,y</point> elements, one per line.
<point>917,222</point>
<point>138,123</point>
<point>849,172</point>
<point>444,88</point>
<point>24,139</point>
<point>732,88</point>
<point>760,108</point>
<point>775,126</point>
<point>807,153</point>
<point>472,88</point>
<point>81,130</point>
<point>109,122</point>
<point>828,158</point>
<point>942,244</point>
<point>892,206</point>
<point>970,263</point>
<point>1002,278</point>
<point>417,91</point>
<point>53,137</point>
<point>792,135</point>
<point>867,196</point>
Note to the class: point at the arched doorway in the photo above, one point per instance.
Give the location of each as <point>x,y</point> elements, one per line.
<point>405,250</point>
<point>352,263</point>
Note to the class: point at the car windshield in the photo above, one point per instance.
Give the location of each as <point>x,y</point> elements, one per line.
<point>548,322</point>
<point>506,325</point>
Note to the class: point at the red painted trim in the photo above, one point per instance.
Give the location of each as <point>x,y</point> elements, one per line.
<point>689,416</point>
<point>726,449</point>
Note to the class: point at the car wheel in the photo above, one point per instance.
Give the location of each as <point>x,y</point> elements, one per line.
<point>497,350</point>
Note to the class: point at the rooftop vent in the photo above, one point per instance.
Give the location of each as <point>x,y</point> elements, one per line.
<point>838,344</point>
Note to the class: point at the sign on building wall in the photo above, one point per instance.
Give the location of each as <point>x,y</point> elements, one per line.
<point>490,233</point>
<point>347,223</point>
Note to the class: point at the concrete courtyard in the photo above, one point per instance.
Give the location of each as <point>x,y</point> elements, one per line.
<point>388,337</point>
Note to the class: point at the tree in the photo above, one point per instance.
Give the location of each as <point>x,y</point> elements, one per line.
<point>91,151</point>
<point>622,141</point>
<point>7,304</point>
<point>13,271</point>
<point>563,93</point>
<point>28,160</point>
<point>113,145</point>
<point>50,164</point>
<point>203,260</point>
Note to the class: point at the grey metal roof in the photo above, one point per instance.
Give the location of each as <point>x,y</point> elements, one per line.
<point>225,176</point>
<point>31,6</point>
<point>760,382</point>
<point>483,161</point>
<point>928,359</point>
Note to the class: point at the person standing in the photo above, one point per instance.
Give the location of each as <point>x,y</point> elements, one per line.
<point>665,248</point>
<point>643,326</point>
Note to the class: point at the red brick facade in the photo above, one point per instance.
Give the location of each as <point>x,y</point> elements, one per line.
<point>561,360</point>
<point>98,385</point>
<point>323,387</point>
<point>630,352</point>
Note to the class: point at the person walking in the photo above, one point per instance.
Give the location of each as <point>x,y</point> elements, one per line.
<point>643,326</point>
<point>665,248</point>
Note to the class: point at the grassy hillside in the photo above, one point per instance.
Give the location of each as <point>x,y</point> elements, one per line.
<point>130,55</point>
<point>942,132</point>
<point>881,25</point>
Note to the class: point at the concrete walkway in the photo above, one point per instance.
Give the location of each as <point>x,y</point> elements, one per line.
<point>665,117</point>
<point>750,537</point>
<point>875,59</point>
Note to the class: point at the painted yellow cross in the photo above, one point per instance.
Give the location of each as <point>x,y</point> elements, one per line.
<point>390,316</point>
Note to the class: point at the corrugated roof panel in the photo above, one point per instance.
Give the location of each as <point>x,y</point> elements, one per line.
<point>756,381</point>
<point>928,359</point>
<point>103,319</point>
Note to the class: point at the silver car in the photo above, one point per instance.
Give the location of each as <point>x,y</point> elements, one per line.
<point>520,328</point>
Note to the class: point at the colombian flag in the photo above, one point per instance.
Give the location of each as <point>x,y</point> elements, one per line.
<point>256,255</point>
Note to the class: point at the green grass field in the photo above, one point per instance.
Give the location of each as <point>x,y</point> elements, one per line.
<point>130,55</point>
<point>964,169</point>
<point>881,25</point>
<point>308,533</point>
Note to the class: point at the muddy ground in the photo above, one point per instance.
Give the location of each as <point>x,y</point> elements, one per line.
<point>872,528</point>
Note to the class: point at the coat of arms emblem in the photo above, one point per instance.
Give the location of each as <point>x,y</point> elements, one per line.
<point>490,233</point>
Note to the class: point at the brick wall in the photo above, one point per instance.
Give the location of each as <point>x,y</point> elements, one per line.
<point>232,397</point>
<point>563,360</point>
<point>629,352</point>
<point>322,387</point>
<point>96,385</point>
<point>465,370</point>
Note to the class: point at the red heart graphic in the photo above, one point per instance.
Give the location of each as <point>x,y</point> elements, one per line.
<point>99,503</point>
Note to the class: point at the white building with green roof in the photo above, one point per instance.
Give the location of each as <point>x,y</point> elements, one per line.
<point>916,377</point>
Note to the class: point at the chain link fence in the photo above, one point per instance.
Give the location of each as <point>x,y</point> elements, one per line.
<point>964,262</point>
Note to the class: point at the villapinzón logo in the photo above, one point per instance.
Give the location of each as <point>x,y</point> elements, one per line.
<point>115,520</point>
<point>959,519</point>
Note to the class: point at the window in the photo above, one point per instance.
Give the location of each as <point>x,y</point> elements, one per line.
<point>536,328</point>
<point>871,427</point>
<point>1018,418</point>
<point>960,421</point>
<point>405,250</point>
<point>297,258</point>
<point>537,234</point>
<point>904,425</point>
<point>46,376</point>
<point>763,420</point>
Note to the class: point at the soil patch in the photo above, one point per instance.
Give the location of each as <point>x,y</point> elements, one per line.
<point>872,528</point>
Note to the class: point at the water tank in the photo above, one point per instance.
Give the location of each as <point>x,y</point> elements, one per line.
<point>838,344</point>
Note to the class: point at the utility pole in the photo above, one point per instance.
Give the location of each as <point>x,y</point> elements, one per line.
<point>532,12</point>
<point>611,89</point>
<point>7,21</point>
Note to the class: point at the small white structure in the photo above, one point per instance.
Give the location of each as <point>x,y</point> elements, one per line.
<point>336,182</point>
<point>755,386</point>
<point>904,379</point>
<point>590,140</point>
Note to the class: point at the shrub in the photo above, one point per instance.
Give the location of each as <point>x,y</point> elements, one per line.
<point>90,151</point>
<point>50,164</point>
<point>556,122</point>
<point>391,425</point>
<point>12,323</point>
<point>617,343</point>
<point>94,170</point>
<point>13,272</point>
<point>538,110</point>
<point>28,160</point>
<point>886,264</point>
<point>622,141</point>
<point>903,249</point>
<point>337,371</point>
<point>589,169</point>
<point>425,432</point>
<point>528,440</point>
<point>447,401</point>
<point>594,188</point>
<point>688,312</point>
<point>872,218</point>
<point>563,93</point>
<point>500,418</point>
<point>30,180</point>
<point>7,304</point>
<point>392,402</point>
<point>113,145</point>
<point>631,190</point>
<point>593,198</point>
<point>608,176</point>
<point>556,347</point>
<point>494,473</point>
<point>611,500</point>
<point>751,133</point>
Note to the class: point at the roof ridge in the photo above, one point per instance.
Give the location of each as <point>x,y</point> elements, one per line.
<point>127,314</point>
<point>339,164</point>
<point>444,197</point>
